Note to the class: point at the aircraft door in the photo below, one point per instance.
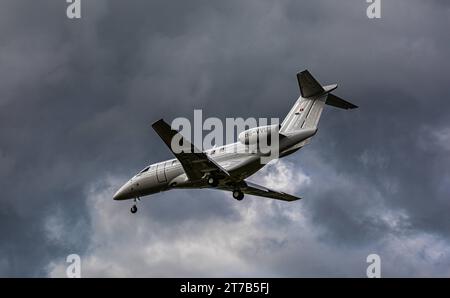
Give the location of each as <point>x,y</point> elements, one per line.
<point>161,173</point>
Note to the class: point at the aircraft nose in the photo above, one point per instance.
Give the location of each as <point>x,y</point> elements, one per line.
<point>122,193</point>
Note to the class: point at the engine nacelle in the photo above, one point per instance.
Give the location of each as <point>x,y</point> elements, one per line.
<point>258,134</point>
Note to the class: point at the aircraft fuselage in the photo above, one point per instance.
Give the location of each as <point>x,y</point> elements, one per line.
<point>170,174</point>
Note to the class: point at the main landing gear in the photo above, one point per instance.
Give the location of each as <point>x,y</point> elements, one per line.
<point>213,181</point>
<point>134,207</point>
<point>238,195</point>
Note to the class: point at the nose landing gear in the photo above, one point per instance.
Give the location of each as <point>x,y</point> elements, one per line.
<point>134,207</point>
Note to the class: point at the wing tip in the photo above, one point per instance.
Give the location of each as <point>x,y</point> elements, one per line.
<point>292,198</point>
<point>158,122</point>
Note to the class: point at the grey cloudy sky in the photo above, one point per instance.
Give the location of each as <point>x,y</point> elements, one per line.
<point>77,99</point>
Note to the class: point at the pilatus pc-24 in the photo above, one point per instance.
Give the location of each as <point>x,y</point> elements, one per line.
<point>226,168</point>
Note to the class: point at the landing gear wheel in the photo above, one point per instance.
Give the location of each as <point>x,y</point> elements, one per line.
<point>213,181</point>
<point>238,195</point>
<point>133,209</point>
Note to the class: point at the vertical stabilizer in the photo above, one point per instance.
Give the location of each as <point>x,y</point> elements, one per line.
<point>308,108</point>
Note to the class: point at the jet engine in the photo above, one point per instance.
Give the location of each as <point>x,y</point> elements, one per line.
<point>258,134</point>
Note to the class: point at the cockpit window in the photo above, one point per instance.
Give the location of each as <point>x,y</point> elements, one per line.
<point>144,170</point>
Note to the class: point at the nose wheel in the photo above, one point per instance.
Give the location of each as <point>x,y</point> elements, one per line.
<point>134,207</point>
<point>238,195</point>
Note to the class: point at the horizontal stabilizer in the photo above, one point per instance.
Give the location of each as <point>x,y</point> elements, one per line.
<point>308,85</point>
<point>338,102</point>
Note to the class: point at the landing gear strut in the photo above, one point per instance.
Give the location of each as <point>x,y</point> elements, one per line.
<point>238,195</point>
<point>134,207</point>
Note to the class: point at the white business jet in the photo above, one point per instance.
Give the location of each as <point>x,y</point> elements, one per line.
<point>227,167</point>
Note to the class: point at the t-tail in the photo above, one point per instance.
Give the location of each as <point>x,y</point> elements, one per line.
<point>307,109</point>
<point>305,114</point>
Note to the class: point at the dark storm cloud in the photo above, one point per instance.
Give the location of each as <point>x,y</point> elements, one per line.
<point>77,99</point>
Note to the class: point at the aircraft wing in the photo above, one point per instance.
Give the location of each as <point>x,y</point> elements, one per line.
<point>195,162</point>
<point>254,189</point>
